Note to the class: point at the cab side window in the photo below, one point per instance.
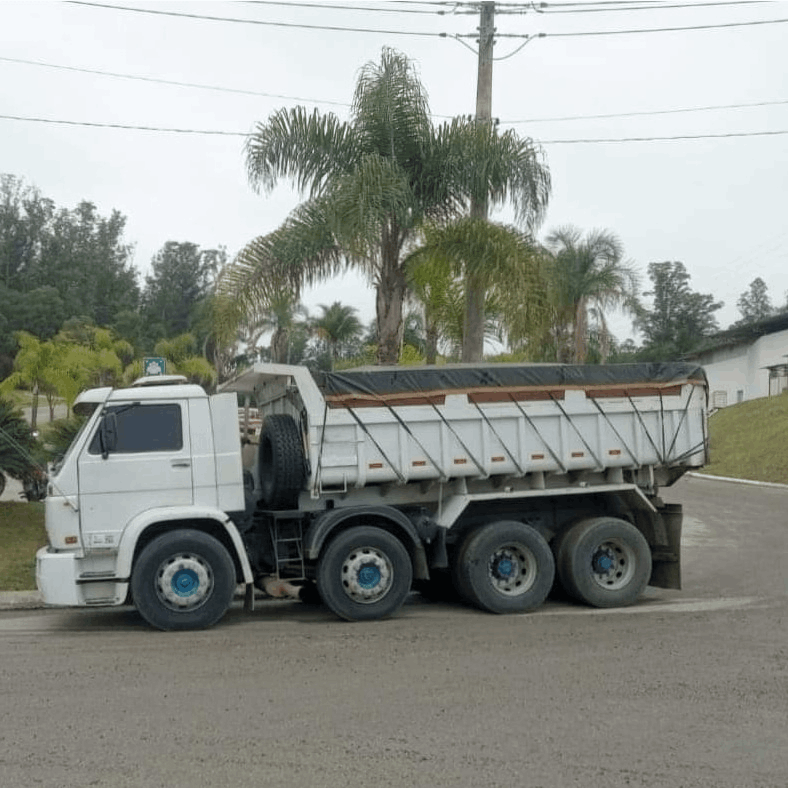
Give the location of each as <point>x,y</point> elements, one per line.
<point>143,428</point>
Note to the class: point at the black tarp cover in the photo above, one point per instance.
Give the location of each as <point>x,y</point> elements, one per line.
<point>381,381</point>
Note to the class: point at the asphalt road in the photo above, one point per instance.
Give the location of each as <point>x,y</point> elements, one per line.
<point>688,688</point>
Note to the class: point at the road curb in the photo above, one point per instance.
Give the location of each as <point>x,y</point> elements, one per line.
<point>751,482</point>
<point>21,600</point>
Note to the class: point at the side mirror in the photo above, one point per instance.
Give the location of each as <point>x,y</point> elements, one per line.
<point>108,434</point>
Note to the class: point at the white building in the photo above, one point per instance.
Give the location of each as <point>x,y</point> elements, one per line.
<point>747,362</point>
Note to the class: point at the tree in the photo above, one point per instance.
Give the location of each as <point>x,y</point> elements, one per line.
<point>180,279</point>
<point>371,182</point>
<point>338,327</point>
<point>500,260</point>
<point>58,263</point>
<point>588,277</point>
<point>85,257</point>
<point>754,304</point>
<point>18,447</point>
<point>37,368</point>
<point>679,318</point>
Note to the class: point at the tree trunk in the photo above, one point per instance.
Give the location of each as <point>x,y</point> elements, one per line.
<point>473,330</point>
<point>581,332</point>
<point>34,408</point>
<point>279,346</point>
<point>431,343</point>
<point>389,300</point>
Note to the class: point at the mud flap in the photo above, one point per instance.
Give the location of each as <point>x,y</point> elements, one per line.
<point>666,559</point>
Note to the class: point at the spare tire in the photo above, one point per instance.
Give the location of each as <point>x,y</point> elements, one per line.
<point>281,462</point>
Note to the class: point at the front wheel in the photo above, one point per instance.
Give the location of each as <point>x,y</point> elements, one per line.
<point>364,573</point>
<point>183,579</point>
<point>505,567</point>
<point>604,562</point>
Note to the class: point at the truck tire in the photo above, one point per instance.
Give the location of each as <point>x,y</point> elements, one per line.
<point>604,562</point>
<point>505,567</point>
<point>281,462</point>
<point>183,579</point>
<point>364,573</point>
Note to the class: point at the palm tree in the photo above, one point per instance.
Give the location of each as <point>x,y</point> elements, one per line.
<point>17,443</point>
<point>502,262</point>
<point>337,326</point>
<point>37,368</point>
<point>370,183</point>
<point>588,276</point>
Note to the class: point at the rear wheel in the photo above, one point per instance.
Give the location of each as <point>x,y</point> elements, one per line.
<point>604,562</point>
<point>183,579</point>
<point>364,573</point>
<point>505,567</point>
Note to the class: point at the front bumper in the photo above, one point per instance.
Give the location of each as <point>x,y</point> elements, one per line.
<point>56,578</point>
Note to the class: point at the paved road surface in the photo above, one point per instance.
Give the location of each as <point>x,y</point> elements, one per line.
<point>687,690</point>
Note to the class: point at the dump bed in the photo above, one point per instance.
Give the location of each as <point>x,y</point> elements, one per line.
<point>405,424</point>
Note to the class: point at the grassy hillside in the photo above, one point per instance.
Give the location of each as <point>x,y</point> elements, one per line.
<point>21,534</point>
<point>750,440</point>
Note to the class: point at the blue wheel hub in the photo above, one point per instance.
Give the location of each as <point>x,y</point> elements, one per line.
<point>505,568</point>
<point>369,576</point>
<point>602,562</point>
<point>185,582</point>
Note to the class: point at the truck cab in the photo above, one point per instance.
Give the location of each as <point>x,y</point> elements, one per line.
<point>149,459</point>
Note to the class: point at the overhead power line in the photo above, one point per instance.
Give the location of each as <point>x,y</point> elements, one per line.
<point>125,126</point>
<point>246,134</point>
<point>717,26</point>
<point>177,83</point>
<point>263,22</point>
<point>675,111</point>
<point>242,91</point>
<point>724,135</point>
<point>376,9</point>
<point>561,8</point>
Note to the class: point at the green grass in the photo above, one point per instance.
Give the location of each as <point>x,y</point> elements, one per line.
<point>750,440</point>
<point>21,534</point>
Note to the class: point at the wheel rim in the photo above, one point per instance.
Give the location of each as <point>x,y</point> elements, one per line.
<point>613,564</point>
<point>367,575</point>
<point>184,582</point>
<point>512,569</point>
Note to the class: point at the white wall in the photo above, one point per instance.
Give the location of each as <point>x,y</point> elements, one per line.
<point>739,372</point>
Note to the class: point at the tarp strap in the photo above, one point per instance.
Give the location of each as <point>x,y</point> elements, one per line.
<point>316,488</point>
<point>692,450</point>
<point>681,421</point>
<point>443,475</point>
<point>539,434</point>
<point>645,429</point>
<point>377,445</point>
<point>480,468</point>
<point>503,443</point>
<point>617,433</point>
<point>579,434</point>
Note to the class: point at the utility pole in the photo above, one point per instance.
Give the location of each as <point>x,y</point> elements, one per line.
<point>484,74</point>
<point>473,330</point>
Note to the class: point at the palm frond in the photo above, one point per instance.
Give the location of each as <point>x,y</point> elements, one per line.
<point>391,110</point>
<point>309,148</point>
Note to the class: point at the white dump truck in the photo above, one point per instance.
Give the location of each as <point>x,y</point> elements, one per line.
<point>492,481</point>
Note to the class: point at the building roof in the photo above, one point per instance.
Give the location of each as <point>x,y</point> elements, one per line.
<point>745,334</point>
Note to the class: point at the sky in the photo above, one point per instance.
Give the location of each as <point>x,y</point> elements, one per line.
<point>693,166</point>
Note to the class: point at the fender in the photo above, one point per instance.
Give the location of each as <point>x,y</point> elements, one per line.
<point>323,525</point>
<point>137,526</point>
